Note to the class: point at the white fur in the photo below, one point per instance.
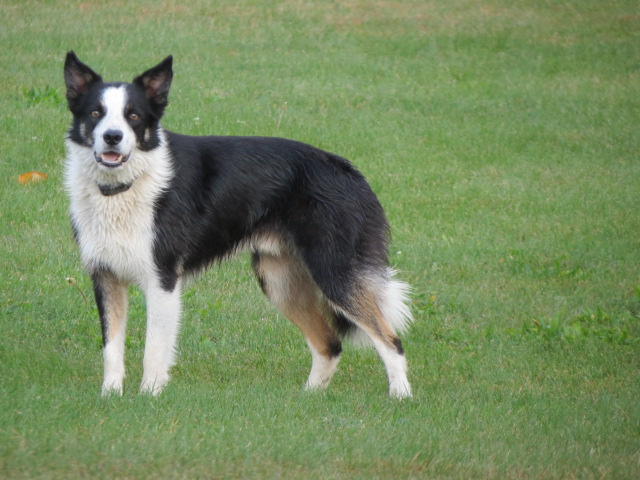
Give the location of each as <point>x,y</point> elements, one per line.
<point>113,356</point>
<point>163,321</point>
<point>322,369</point>
<point>114,102</point>
<point>396,366</point>
<point>117,231</point>
<point>394,304</point>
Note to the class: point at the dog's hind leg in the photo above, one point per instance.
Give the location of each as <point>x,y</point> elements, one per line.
<point>163,320</point>
<point>111,299</point>
<point>378,308</point>
<point>291,289</point>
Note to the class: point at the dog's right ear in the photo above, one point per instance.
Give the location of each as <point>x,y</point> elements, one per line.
<point>78,77</point>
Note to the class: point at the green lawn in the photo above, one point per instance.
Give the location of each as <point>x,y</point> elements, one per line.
<point>503,138</point>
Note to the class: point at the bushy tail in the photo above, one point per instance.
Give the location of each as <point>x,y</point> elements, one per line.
<point>394,304</point>
<point>392,296</point>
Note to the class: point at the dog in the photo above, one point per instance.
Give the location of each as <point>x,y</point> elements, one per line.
<point>152,208</point>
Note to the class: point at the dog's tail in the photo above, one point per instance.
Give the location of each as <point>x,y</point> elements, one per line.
<point>392,298</point>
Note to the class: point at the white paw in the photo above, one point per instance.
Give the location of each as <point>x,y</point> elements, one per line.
<point>400,390</point>
<point>112,387</point>
<point>316,385</point>
<point>153,386</point>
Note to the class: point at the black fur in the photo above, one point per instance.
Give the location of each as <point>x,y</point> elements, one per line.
<point>253,185</point>
<point>99,294</point>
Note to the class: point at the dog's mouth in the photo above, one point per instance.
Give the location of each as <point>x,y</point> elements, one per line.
<point>111,159</point>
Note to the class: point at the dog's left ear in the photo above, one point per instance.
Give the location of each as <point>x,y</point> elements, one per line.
<point>156,82</point>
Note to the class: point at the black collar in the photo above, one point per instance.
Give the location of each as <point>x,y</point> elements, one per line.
<point>108,190</point>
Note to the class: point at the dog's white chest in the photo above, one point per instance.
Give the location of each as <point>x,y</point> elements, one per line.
<point>116,233</point>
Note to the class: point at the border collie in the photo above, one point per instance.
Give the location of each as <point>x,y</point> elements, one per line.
<point>150,208</point>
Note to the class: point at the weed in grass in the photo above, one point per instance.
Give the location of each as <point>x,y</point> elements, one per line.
<point>47,94</point>
<point>598,325</point>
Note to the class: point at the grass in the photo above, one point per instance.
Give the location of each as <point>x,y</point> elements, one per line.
<point>502,138</point>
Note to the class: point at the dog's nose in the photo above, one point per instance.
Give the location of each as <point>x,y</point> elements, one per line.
<point>112,137</point>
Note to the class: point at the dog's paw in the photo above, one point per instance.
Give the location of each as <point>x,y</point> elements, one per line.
<point>400,390</point>
<point>112,389</point>
<point>153,386</point>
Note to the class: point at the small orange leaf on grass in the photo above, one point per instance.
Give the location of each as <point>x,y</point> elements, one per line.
<point>32,177</point>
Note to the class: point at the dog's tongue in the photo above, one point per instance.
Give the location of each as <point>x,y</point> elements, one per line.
<point>110,157</point>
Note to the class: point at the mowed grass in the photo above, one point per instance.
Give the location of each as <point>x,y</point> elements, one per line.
<point>502,139</point>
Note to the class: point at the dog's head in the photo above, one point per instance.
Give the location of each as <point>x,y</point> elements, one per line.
<point>114,120</point>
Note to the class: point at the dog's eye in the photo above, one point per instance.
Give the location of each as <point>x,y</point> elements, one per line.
<point>134,116</point>
<point>95,114</point>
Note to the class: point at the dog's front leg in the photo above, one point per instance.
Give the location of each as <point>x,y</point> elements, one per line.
<point>111,298</point>
<point>163,319</point>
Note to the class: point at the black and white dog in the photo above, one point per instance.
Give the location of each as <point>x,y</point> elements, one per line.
<point>150,207</point>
